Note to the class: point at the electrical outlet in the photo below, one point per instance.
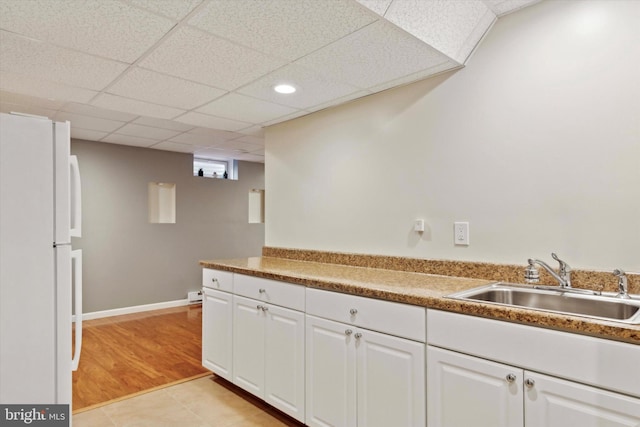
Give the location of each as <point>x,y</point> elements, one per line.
<point>461,233</point>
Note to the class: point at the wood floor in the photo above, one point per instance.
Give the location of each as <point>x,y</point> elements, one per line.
<point>125,355</point>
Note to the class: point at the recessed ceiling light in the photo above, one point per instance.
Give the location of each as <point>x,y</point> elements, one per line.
<point>284,89</point>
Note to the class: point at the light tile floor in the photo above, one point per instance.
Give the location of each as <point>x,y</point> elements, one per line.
<point>205,402</point>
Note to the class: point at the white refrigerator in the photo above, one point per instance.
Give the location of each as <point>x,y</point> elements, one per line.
<point>39,213</point>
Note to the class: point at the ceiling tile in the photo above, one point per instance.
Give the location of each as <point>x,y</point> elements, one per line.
<point>161,89</point>
<point>251,157</point>
<point>205,120</point>
<point>164,124</point>
<point>285,118</point>
<point>44,88</point>
<point>43,61</point>
<point>88,135</point>
<point>444,25</point>
<point>283,28</point>
<point>244,108</point>
<point>378,6</point>
<point>174,9</point>
<point>313,88</point>
<point>213,153</point>
<point>110,29</point>
<point>18,98</point>
<point>256,130</point>
<point>239,146</point>
<point>175,146</point>
<point>255,140</point>
<point>135,141</point>
<point>146,131</point>
<point>204,139</point>
<point>87,122</point>
<point>134,106</point>
<point>187,53</point>
<point>26,109</point>
<point>373,55</point>
<point>90,110</point>
<point>223,134</point>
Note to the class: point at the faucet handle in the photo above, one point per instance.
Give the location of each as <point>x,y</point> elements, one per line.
<point>564,267</point>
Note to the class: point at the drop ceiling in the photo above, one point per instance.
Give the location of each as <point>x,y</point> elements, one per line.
<point>197,76</point>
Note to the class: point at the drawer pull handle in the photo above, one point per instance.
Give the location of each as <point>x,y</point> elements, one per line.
<point>358,335</point>
<point>259,307</point>
<point>265,308</point>
<point>262,291</point>
<point>511,378</point>
<point>353,311</point>
<point>348,332</point>
<point>529,382</point>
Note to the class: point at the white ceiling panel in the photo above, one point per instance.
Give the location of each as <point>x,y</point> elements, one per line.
<point>240,107</point>
<point>444,25</point>
<point>36,59</point>
<point>175,146</point>
<point>43,88</point>
<point>205,120</point>
<point>87,122</point>
<point>286,29</point>
<point>214,153</point>
<point>161,89</point>
<point>174,9</point>
<point>146,131</point>
<point>378,6</point>
<point>251,157</point>
<point>373,55</point>
<point>90,110</point>
<point>107,28</point>
<point>163,124</point>
<point>88,135</point>
<point>195,55</point>
<point>201,73</point>
<point>135,141</point>
<point>313,88</point>
<point>134,106</point>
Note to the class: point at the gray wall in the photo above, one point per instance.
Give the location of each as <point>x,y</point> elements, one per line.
<point>128,261</point>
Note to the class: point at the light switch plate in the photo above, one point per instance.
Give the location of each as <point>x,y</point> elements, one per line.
<point>461,233</point>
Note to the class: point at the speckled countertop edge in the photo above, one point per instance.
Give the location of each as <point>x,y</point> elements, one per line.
<point>427,290</point>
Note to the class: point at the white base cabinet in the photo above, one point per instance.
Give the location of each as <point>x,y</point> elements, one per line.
<point>268,348</point>
<point>217,332</point>
<point>365,361</point>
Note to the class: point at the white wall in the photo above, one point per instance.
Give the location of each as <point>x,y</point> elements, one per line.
<point>536,143</point>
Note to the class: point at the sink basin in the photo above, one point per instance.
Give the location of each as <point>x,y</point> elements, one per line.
<point>605,306</point>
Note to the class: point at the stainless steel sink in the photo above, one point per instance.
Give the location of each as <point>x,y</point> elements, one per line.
<point>603,306</point>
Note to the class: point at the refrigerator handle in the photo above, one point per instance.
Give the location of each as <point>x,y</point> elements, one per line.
<point>76,198</point>
<point>76,263</point>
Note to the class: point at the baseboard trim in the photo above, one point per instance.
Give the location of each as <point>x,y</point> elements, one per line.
<point>132,309</point>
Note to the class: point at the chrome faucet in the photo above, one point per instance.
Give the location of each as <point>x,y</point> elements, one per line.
<point>623,287</point>
<point>531,274</point>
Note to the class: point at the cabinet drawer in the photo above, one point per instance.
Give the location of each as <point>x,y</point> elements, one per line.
<point>217,279</point>
<point>271,291</point>
<point>393,318</point>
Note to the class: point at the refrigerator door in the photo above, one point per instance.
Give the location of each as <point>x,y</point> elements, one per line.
<point>76,257</point>
<point>75,198</point>
<point>62,195</point>
<point>64,257</point>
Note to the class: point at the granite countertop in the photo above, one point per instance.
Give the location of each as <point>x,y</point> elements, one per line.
<point>428,290</point>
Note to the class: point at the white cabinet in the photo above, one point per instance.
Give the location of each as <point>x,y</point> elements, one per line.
<point>268,349</point>
<point>360,377</point>
<point>217,321</point>
<point>552,402</point>
<point>467,389</point>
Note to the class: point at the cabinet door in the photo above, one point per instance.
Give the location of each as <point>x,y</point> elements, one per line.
<point>248,345</point>
<point>284,360</point>
<point>330,373</point>
<point>391,386</point>
<point>217,332</point>
<point>467,391</point>
<point>551,402</point>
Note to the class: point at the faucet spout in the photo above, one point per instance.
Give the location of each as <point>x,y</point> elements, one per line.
<point>563,276</point>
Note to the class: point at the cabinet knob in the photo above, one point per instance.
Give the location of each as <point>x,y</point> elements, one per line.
<point>348,332</point>
<point>262,290</point>
<point>265,308</point>
<point>510,378</point>
<point>358,335</point>
<point>215,281</point>
<point>353,311</point>
<point>259,307</point>
<point>529,382</point>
